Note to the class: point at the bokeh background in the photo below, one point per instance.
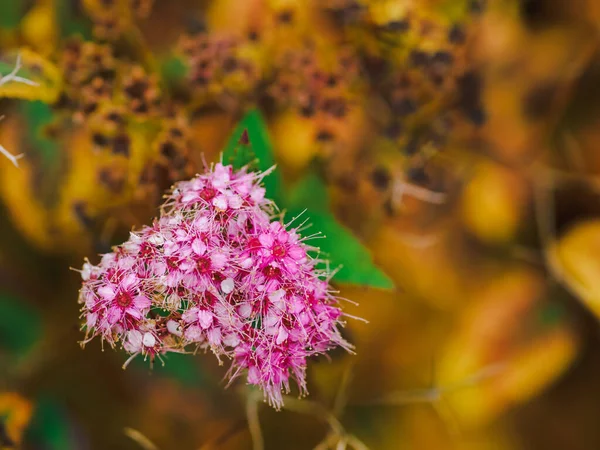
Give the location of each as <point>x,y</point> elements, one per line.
<point>448,149</point>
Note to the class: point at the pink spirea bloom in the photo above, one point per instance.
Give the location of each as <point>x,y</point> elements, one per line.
<point>219,271</point>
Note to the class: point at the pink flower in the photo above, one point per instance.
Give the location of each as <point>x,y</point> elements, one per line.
<point>217,271</point>
<point>282,247</point>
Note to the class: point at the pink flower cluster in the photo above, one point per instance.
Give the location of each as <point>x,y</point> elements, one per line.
<point>216,271</point>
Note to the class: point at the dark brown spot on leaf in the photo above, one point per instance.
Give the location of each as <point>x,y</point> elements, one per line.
<point>121,145</point>
<point>380,177</point>
<point>244,138</point>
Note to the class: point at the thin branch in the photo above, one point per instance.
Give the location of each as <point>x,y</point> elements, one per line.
<point>341,397</point>
<point>12,158</point>
<point>446,413</point>
<point>337,437</point>
<point>219,440</point>
<point>543,202</point>
<point>402,188</point>
<point>435,393</point>
<point>140,439</point>
<point>12,76</point>
<point>356,443</point>
<point>258,442</point>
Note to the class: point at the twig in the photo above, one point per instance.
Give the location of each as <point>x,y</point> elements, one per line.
<point>218,441</point>
<point>258,442</point>
<point>436,396</point>
<point>402,188</point>
<point>12,158</point>
<point>341,397</point>
<point>436,393</point>
<point>543,203</point>
<point>337,435</point>
<point>12,76</point>
<point>139,438</point>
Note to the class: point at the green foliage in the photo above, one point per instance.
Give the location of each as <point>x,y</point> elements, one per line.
<point>173,69</point>
<point>50,427</point>
<point>309,200</point>
<point>20,325</point>
<point>178,367</point>
<point>258,153</point>
<point>39,115</point>
<point>551,315</point>
<point>71,21</point>
<point>41,149</point>
<point>10,14</point>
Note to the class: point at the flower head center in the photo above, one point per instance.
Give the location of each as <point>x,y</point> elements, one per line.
<point>207,193</point>
<point>124,299</point>
<point>271,271</point>
<point>254,244</point>
<point>278,250</point>
<point>203,265</point>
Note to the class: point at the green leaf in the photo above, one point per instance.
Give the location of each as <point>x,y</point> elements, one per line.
<point>173,69</point>
<point>309,193</point>
<point>44,151</point>
<point>39,115</point>
<point>11,12</point>
<point>72,20</point>
<point>179,367</point>
<point>258,153</point>
<point>551,314</point>
<point>338,245</point>
<point>20,325</point>
<point>50,427</point>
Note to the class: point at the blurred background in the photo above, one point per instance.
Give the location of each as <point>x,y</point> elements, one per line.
<point>449,146</point>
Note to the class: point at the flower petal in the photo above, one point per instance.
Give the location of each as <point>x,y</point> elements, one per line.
<point>106,292</point>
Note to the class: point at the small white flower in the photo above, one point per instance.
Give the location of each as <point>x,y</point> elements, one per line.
<point>220,202</point>
<point>194,333</point>
<point>227,285</point>
<point>282,335</point>
<point>276,295</point>
<point>86,271</point>
<point>235,201</point>
<point>137,239</point>
<point>107,259</point>
<point>231,340</point>
<point>277,298</point>
<point>174,328</point>
<point>149,340</point>
<point>134,341</point>
<point>245,310</point>
<point>156,239</point>
<point>246,263</point>
<point>131,247</point>
<point>189,196</point>
<point>205,318</point>
<point>214,336</point>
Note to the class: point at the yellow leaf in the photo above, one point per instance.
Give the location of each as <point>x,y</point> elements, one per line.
<point>500,356</point>
<point>18,195</point>
<point>44,75</point>
<point>577,255</point>
<point>40,28</point>
<point>492,203</point>
<point>15,414</point>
